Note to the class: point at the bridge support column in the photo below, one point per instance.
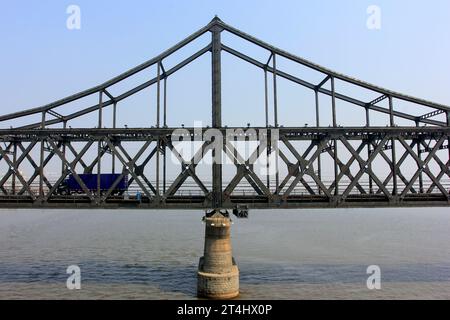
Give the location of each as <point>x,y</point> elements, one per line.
<point>218,274</point>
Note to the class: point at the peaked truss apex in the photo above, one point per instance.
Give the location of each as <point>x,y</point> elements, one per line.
<point>216,22</point>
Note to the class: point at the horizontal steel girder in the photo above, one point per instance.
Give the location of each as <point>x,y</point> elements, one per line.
<point>302,187</point>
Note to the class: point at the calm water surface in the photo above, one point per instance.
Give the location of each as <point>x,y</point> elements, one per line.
<point>129,254</point>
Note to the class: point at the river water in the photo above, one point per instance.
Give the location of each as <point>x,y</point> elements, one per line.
<point>285,254</point>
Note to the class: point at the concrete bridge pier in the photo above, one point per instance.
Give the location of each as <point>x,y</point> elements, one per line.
<point>218,274</point>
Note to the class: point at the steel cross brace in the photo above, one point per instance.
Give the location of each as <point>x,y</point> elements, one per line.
<point>364,167</point>
<point>345,169</point>
<point>70,168</point>
<point>398,165</point>
<point>18,174</point>
<point>293,169</point>
<point>307,166</point>
<point>130,164</point>
<point>423,166</point>
<point>188,168</point>
<point>244,169</point>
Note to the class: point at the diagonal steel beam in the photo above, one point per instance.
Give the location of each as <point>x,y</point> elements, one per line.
<point>36,172</point>
<point>188,170</point>
<point>7,149</point>
<point>444,169</point>
<point>132,163</point>
<point>293,172</point>
<point>307,169</point>
<point>74,152</point>
<point>249,174</point>
<point>16,163</point>
<point>129,165</point>
<point>378,100</point>
<point>18,174</point>
<point>431,114</point>
<point>242,171</point>
<point>70,168</point>
<point>235,181</point>
<point>398,165</point>
<point>302,159</point>
<point>365,167</point>
<point>94,162</point>
<point>345,169</point>
<point>423,165</point>
<point>36,167</point>
<point>347,173</point>
<point>140,169</point>
<point>301,162</point>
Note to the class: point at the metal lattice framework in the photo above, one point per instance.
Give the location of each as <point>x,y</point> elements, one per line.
<point>299,150</point>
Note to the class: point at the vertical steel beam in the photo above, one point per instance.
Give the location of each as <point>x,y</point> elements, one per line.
<point>266,109</point>
<point>115,115</point>
<point>333,107</point>
<point>317,108</point>
<point>319,160</point>
<point>333,102</point>
<point>393,152</point>
<point>275,98</point>
<point>100,109</point>
<point>164,168</point>
<point>99,148</point>
<point>13,185</point>
<point>368,150</point>
<point>391,112</point>
<point>419,155</point>
<point>113,158</point>
<point>63,164</point>
<point>448,140</point>
<point>158,94</point>
<point>367,117</point>
<point>276,158</point>
<point>158,147</point>
<point>165,102</point>
<point>216,110</point>
<point>164,144</point>
<point>41,160</point>
<point>266,98</point>
<point>268,142</point>
<point>275,115</point>
<point>158,117</point>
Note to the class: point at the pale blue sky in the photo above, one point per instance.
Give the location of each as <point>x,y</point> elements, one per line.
<point>41,60</point>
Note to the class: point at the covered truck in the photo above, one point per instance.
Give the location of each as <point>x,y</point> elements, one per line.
<point>71,185</point>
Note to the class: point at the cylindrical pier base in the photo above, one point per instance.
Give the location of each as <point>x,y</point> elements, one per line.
<point>218,274</point>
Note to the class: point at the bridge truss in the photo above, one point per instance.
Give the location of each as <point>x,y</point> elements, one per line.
<point>300,151</point>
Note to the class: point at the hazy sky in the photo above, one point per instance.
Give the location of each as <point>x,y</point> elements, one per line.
<point>41,60</point>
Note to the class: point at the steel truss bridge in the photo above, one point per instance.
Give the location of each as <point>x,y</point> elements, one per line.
<point>355,183</point>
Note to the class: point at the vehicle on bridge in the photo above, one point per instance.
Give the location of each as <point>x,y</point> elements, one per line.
<point>107,180</point>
